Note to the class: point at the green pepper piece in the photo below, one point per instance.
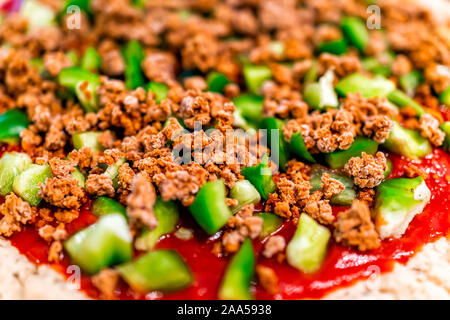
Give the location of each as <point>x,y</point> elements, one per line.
<point>298,148</point>
<point>271,223</point>
<point>79,176</point>
<point>338,159</point>
<point>379,86</point>
<point>216,81</point>
<point>84,5</point>
<point>84,84</point>
<point>389,168</point>
<point>104,243</point>
<point>336,47</point>
<point>73,57</point>
<point>162,270</point>
<point>239,274</point>
<point>104,205</point>
<point>397,201</point>
<point>209,208</point>
<point>321,95</point>
<point>400,99</point>
<point>356,32</point>
<point>250,107</point>
<point>11,165</point>
<point>26,184</point>
<point>444,97</point>
<point>346,197</point>
<point>160,90</point>
<point>410,81</point>
<point>275,139</point>
<point>445,126</point>
<point>12,123</point>
<point>261,177</point>
<point>245,193</point>
<point>91,60</point>
<point>255,76</point>
<point>308,247</point>
<point>372,65</point>
<point>112,171</point>
<point>38,14</point>
<point>312,73</point>
<point>166,212</point>
<point>87,139</point>
<point>133,54</point>
<point>406,142</point>
<point>278,48</point>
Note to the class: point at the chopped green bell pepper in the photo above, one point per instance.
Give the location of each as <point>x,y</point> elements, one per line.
<point>12,123</point>
<point>298,148</point>
<point>166,212</point>
<point>104,205</point>
<point>87,139</point>
<point>308,247</point>
<point>261,177</point>
<point>26,184</point>
<point>336,47</point>
<point>255,76</point>
<point>112,171</point>
<point>346,197</point>
<point>271,223</point>
<point>312,73</point>
<point>444,97</point>
<point>321,95</point>
<point>406,142</point>
<point>160,90</point>
<point>209,208</point>
<point>11,165</point>
<point>162,270</point>
<point>275,139</point>
<point>356,32</point>
<point>400,99</point>
<point>338,159</point>
<point>84,5</point>
<point>91,60</point>
<point>379,86</point>
<point>104,243</point>
<point>397,201</point>
<point>239,274</point>
<point>133,54</point>
<point>79,176</point>
<point>216,81</point>
<point>374,66</point>
<point>445,126</point>
<point>245,193</point>
<point>410,81</point>
<point>250,107</point>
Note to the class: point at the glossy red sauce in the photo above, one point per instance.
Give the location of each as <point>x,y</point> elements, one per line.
<point>342,266</point>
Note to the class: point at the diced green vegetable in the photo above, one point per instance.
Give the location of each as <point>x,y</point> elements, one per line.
<point>166,212</point>
<point>321,95</point>
<point>133,54</point>
<point>389,168</point>
<point>338,159</point>
<point>38,14</point>
<point>250,107</point>
<point>255,76</point>
<point>160,90</point>
<point>87,139</point>
<point>11,165</point>
<point>311,74</point>
<point>245,193</point>
<point>308,247</point>
<point>374,66</point>
<point>26,184</point>
<point>271,223</point>
<point>104,205</point>
<point>397,202</point>
<point>378,86</point>
<point>346,197</point>
<point>12,123</point>
<point>356,32</point>
<point>84,5</point>
<point>277,47</point>
<point>410,81</point>
<point>445,126</point>
<point>112,171</point>
<point>216,81</point>
<point>104,243</point>
<point>162,270</point>
<point>239,274</point>
<point>406,142</point>
<point>444,97</point>
<point>261,177</point>
<point>91,60</point>
<point>336,47</point>
<point>73,57</point>
<point>79,176</point>
<point>84,84</point>
<point>400,99</point>
<point>209,208</point>
<point>278,146</point>
<point>298,148</point>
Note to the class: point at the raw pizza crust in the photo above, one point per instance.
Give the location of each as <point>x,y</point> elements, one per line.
<point>425,276</point>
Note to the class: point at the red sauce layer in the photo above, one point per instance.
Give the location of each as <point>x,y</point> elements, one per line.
<point>342,266</point>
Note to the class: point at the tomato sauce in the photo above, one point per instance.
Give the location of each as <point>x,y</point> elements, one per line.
<point>342,266</point>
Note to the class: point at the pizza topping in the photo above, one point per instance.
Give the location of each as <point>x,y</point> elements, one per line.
<point>15,213</point>
<point>429,128</point>
<point>140,202</point>
<point>273,246</point>
<point>367,170</point>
